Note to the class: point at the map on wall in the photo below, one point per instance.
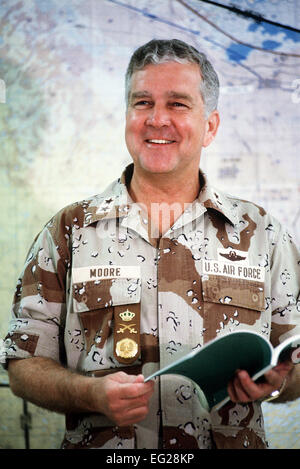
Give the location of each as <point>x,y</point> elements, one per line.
<point>62,105</point>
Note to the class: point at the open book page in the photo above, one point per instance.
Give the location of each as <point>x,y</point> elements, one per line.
<point>288,349</point>
<point>215,363</point>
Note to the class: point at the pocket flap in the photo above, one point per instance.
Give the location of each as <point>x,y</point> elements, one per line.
<point>233,291</point>
<point>106,293</point>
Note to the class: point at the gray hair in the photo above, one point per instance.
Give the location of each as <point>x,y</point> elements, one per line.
<point>160,51</point>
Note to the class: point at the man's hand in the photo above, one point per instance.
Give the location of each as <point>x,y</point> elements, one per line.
<point>243,389</point>
<point>125,398</point>
<point>121,397</point>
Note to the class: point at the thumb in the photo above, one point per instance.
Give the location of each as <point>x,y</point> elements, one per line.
<point>139,378</point>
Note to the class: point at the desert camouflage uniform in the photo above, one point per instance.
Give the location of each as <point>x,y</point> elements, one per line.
<point>72,289</point>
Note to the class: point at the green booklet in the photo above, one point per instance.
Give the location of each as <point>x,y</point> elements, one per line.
<point>212,367</point>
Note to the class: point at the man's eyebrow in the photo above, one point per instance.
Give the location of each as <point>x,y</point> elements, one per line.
<point>140,94</point>
<point>178,95</point>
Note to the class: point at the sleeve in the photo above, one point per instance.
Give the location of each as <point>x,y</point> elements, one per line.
<point>285,285</point>
<point>39,308</point>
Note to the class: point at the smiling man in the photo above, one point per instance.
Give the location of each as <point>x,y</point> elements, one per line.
<point>113,287</point>
<point>166,126</point>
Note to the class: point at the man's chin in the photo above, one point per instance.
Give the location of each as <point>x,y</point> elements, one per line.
<point>158,167</point>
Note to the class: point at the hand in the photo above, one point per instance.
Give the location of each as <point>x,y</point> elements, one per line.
<point>243,389</point>
<point>125,398</point>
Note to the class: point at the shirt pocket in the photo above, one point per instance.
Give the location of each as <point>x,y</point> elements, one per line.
<point>230,302</point>
<point>98,303</point>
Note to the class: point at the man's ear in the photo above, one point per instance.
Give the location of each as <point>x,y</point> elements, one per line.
<point>212,125</point>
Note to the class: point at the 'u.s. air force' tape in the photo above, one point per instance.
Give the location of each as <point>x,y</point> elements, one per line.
<point>101,272</point>
<point>229,269</point>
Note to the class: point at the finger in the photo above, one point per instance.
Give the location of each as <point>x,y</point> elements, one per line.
<point>243,389</point>
<point>118,407</point>
<point>135,390</point>
<point>257,391</point>
<point>131,386</point>
<point>133,416</point>
<point>274,379</point>
<point>240,387</point>
<point>284,368</point>
<point>139,378</point>
<point>231,392</point>
<point>122,377</point>
<point>136,403</point>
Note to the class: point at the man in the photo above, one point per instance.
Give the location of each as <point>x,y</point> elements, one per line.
<point>113,289</point>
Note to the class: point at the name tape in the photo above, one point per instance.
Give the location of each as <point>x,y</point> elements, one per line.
<point>101,272</point>
<point>228,269</point>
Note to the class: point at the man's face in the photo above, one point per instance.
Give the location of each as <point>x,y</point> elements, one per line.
<point>165,121</point>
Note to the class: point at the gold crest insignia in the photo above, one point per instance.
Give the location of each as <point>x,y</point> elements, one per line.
<point>127,315</point>
<point>126,348</point>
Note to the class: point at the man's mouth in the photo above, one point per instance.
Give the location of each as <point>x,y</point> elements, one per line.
<point>159,141</point>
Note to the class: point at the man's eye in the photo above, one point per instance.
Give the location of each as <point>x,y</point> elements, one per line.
<point>178,104</point>
<point>141,103</point>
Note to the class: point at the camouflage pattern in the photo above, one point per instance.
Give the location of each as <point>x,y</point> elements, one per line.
<point>72,286</point>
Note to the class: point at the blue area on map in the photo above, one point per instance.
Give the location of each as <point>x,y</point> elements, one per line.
<point>238,52</point>
<point>273,30</point>
<point>271,45</point>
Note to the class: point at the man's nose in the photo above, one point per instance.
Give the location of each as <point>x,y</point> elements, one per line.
<point>158,117</point>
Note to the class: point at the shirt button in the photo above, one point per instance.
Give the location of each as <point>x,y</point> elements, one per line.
<point>255,297</point>
<point>84,298</point>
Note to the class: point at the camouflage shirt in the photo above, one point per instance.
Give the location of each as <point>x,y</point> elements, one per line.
<point>99,294</point>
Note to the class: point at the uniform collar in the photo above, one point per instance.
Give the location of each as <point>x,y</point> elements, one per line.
<point>115,201</point>
<point>217,201</point>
